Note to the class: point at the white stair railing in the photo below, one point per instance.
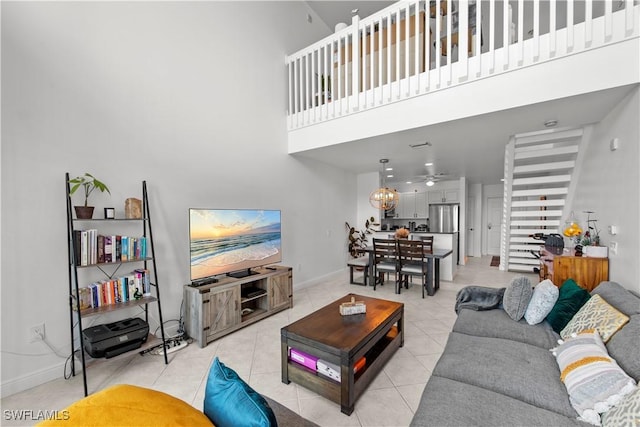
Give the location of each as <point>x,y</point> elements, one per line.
<point>413,48</point>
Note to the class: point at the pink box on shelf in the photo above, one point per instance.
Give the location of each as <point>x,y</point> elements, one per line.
<point>303,358</point>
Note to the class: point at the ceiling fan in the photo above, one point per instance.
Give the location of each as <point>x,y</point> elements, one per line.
<point>432,179</point>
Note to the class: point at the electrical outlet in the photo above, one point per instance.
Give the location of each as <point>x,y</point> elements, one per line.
<point>36,333</point>
<point>613,247</point>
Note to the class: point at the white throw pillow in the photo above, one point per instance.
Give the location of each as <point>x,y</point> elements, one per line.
<point>545,295</point>
<point>593,379</point>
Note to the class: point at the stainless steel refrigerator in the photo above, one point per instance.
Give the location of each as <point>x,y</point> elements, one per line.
<point>444,218</point>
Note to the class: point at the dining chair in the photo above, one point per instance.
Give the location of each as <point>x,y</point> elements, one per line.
<point>413,262</point>
<point>391,236</point>
<point>385,260</point>
<point>428,244</point>
<point>361,263</point>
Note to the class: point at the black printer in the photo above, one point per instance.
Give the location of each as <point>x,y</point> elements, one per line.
<point>115,338</point>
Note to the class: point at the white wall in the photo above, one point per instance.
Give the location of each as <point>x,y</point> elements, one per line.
<point>608,185</point>
<point>189,96</point>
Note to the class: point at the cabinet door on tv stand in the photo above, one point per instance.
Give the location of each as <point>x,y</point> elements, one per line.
<point>223,310</point>
<point>280,290</point>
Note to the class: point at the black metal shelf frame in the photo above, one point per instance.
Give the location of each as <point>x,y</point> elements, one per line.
<point>74,279</point>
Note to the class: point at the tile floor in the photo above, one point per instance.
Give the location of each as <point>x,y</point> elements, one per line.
<point>254,353</point>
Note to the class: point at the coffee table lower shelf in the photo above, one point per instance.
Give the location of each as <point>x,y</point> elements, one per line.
<point>352,384</point>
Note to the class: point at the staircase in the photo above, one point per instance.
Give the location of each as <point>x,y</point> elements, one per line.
<point>538,183</point>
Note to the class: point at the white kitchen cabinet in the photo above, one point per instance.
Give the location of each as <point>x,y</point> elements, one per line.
<point>421,205</point>
<point>412,205</point>
<point>443,196</point>
<point>407,201</point>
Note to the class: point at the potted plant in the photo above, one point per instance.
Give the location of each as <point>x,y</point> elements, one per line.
<point>591,239</point>
<point>358,238</point>
<point>88,183</point>
<point>402,233</point>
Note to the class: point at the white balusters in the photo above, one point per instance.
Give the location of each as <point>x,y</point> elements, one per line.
<point>415,47</point>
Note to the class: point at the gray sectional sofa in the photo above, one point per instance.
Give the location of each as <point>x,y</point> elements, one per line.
<point>495,371</point>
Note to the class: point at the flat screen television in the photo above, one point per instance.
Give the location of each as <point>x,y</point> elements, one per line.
<point>233,241</point>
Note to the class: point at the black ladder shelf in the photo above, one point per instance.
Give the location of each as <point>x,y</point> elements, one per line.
<point>76,316</point>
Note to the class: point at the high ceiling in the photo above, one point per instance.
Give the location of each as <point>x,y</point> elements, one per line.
<point>471,147</point>
<point>333,12</point>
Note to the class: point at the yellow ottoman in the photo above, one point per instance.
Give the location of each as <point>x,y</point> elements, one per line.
<point>128,405</point>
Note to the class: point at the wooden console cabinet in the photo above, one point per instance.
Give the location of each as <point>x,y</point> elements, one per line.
<point>217,309</point>
<point>587,272</point>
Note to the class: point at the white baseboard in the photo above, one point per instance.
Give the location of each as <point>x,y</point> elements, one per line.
<point>317,280</point>
<point>32,379</point>
<point>25,382</point>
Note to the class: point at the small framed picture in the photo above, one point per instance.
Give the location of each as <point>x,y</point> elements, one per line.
<point>109,213</point>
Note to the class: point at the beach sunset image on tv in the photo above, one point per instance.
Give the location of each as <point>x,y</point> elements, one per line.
<point>229,240</point>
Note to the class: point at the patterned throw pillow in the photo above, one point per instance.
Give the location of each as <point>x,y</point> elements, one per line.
<point>516,297</point>
<point>596,314</point>
<point>545,295</point>
<point>594,380</point>
<point>625,413</point>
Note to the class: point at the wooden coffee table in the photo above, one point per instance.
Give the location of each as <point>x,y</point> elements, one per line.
<point>343,340</point>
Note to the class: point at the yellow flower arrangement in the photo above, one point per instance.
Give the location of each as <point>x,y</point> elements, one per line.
<point>573,230</point>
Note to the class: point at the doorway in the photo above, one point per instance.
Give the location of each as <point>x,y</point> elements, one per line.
<point>494,225</point>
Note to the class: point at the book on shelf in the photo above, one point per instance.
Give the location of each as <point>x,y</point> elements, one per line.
<point>118,246</point>
<point>117,290</point>
<point>108,249</point>
<point>143,247</point>
<point>124,284</point>
<point>104,298</point>
<point>124,248</point>
<point>94,295</point>
<point>100,249</point>
<point>84,245</point>
<point>77,237</point>
<point>91,248</point>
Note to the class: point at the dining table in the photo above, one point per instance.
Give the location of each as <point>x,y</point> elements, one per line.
<point>433,265</point>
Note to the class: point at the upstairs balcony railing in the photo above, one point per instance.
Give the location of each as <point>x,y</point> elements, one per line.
<point>413,48</point>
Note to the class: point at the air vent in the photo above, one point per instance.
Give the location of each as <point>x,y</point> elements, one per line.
<point>424,144</point>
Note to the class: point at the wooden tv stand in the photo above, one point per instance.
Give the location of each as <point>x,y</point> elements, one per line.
<point>217,309</point>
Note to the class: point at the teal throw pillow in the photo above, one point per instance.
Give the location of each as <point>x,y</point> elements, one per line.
<point>570,299</point>
<point>230,402</point>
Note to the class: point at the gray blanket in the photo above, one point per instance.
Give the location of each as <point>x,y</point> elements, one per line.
<point>479,298</point>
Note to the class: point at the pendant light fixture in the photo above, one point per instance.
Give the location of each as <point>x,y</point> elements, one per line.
<point>384,198</point>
